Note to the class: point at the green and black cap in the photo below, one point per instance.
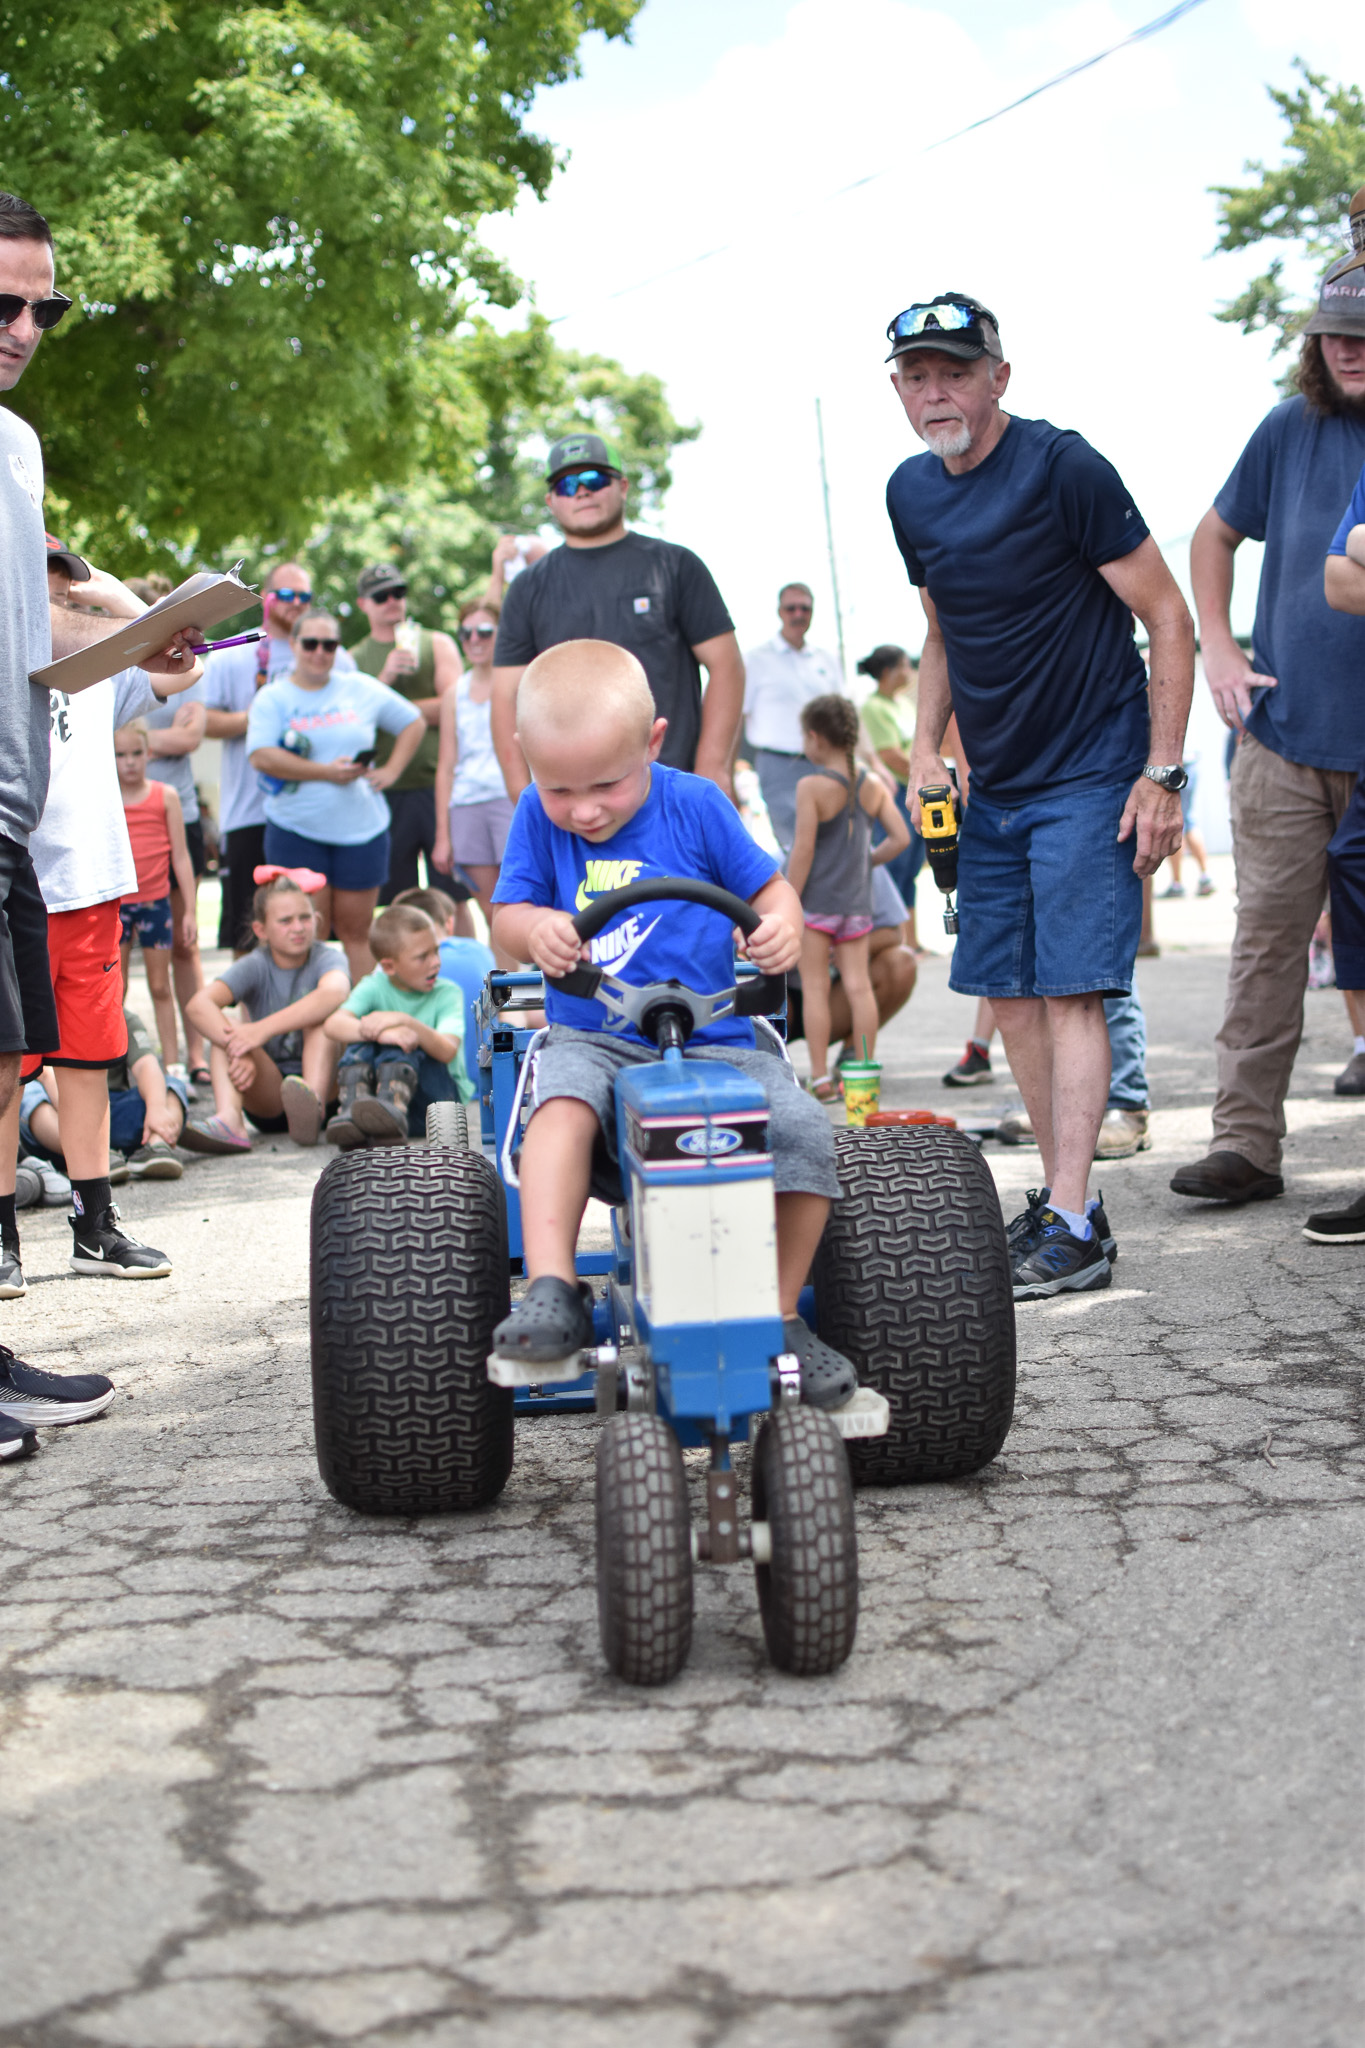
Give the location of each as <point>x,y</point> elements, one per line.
<point>582,451</point>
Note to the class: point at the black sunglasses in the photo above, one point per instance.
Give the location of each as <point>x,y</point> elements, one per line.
<point>389,590</point>
<point>477,632</point>
<point>46,312</point>
<point>582,480</point>
<point>310,644</point>
<point>286,596</point>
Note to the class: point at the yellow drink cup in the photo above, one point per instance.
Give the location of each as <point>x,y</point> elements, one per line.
<point>862,1090</point>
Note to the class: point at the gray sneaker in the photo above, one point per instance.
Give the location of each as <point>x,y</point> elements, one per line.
<point>28,1185</point>
<point>12,1281</point>
<point>55,1188</point>
<point>154,1162</point>
<point>1351,1079</point>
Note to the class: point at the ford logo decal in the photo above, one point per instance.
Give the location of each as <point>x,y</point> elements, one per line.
<point>710,1144</point>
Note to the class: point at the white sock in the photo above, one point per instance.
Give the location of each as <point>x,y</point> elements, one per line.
<point>1079,1226</point>
<point>1360,1045</point>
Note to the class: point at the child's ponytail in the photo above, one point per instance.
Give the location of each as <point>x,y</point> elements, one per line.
<point>834,720</point>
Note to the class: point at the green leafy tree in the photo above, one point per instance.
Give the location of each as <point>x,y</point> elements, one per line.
<point>269,217</point>
<point>1301,201</point>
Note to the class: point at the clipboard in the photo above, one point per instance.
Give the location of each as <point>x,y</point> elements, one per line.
<point>201,601</point>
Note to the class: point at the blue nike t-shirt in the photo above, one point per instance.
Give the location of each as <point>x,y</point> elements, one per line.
<point>1291,481</point>
<point>1048,685</point>
<point>684,827</point>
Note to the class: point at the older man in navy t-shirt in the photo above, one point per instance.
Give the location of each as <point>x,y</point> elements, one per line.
<point>1031,559</point>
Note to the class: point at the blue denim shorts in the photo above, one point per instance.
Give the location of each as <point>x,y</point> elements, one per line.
<point>346,867</point>
<point>1048,901</point>
<point>149,923</point>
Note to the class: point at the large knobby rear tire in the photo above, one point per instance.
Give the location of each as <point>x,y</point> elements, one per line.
<point>808,1592</point>
<point>644,1550</point>
<point>409,1276</point>
<point>912,1283</point>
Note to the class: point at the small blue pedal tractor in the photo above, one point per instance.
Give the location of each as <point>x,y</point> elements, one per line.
<point>413,1255</point>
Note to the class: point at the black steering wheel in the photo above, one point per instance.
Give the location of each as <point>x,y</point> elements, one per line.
<point>658,999</point>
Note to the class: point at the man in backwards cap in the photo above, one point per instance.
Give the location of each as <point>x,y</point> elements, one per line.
<point>1031,559</point>
<point>651,596</point>
<point>1298,707</point>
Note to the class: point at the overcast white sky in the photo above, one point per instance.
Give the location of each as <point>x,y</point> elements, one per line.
<point>1084,220</point>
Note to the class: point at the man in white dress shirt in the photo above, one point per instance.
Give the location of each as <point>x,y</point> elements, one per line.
<point>780,676</point>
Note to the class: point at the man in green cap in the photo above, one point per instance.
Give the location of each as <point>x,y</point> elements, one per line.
<point>606,583</point>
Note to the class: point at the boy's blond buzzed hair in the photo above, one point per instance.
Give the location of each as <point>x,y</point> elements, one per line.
<point>394,926</point>
<point>581,680</point>
<point>434,902</point>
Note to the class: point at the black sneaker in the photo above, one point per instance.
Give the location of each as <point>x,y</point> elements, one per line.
<point>99,1246</point>
<point>12,1281</point>
<point>1023,1233</point>
<point>32,1398</point>
<point>972,1069</point>
<point>1338,1226</point>
<point>1102,1227</point>
<point>16,1439</point>
<point>1060,1263</point>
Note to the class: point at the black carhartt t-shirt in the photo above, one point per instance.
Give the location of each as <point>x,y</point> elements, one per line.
<point>655,598</point>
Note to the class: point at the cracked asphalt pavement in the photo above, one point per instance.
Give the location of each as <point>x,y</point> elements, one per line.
<point>272,1775</point>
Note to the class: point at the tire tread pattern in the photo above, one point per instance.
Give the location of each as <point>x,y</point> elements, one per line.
<point>808,1594</point>
<point>912,1283</point>
<point>644,1550</point>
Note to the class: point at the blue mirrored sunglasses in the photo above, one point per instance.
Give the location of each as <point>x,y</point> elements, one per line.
<point>947,318</point>
<point>287,596</point>
<point>582,480</point>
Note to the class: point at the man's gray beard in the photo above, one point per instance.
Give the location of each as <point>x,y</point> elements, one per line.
<point>945,440</point>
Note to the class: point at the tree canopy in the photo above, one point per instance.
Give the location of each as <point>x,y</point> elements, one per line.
<point>269,219</point>
<point>1302,201</point>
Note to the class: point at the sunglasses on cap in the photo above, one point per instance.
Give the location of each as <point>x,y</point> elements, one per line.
<point>582,480</point>
<point>46,312</point>
<point>957,316</point>
<point>286,596</point>
<point>310,643</point>
<point>389,590</point>
<point>477,632</point>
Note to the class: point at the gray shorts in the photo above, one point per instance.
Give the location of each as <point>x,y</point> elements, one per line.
<point>478,832</point>
<point>584,1064</point>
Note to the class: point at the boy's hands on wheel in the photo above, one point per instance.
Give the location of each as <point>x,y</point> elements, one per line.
<point>775,947</point>
<point>554,944</point>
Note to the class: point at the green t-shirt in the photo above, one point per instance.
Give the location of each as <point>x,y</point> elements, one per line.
<point>888,725</point>
<point>440,1009</point>
<point>370,655</point>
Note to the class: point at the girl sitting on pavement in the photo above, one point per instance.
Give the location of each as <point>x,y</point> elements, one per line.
<point>156,832</point>
<point>279,1067</point>
<point>830,867</point>
<point>401,1027</point>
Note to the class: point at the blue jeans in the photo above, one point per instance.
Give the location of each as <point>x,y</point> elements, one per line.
<point>1346,875</point>
<point>1127,1052</point>
<point>1048,900</point>
<point>435,1083</point>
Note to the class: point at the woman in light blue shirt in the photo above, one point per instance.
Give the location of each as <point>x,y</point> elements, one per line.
<point>308,736</point>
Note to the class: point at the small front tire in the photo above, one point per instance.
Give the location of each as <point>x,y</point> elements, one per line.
<point>644,1550</point>
<point>808,1592</point>
<point>446,1126</point>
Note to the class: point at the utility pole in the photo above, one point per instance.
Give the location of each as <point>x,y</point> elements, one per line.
<point>829,537</point>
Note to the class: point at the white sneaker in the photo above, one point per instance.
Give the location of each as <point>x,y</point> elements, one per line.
<point>56,1188</point>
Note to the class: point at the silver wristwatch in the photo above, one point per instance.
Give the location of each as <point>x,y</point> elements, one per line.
<point>1172,779</point>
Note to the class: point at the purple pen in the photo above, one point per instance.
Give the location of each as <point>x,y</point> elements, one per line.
<point>238,640</point>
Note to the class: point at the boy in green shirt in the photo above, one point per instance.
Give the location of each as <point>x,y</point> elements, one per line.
<point>401,1027</point>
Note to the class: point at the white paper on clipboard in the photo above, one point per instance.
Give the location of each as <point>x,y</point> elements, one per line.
<point>201,601</point>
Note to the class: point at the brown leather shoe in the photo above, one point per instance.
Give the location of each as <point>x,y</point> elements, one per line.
<point>1226,1177</point>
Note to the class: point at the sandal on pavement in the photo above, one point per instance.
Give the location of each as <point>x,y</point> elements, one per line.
<point>827,1378</point>
<point>824,1089</point>
<point>211,1134</point>
<point>551,1322</point>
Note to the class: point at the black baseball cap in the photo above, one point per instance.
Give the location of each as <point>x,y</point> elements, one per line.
<point>582,451</point>
<point>953,324</point>
<point>59,557</point>
<point>380,576</point>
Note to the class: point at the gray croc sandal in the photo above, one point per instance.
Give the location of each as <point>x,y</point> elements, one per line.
<point>827,1378</point>
<point>550,1322</point>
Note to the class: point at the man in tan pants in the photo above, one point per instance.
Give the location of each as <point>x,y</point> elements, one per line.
<point>1299,709</point>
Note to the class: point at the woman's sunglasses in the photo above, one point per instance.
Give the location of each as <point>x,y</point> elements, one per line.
<point>310,644</point>
<point>582,480</point>
<point>46,312</point>
<point>477,632</point>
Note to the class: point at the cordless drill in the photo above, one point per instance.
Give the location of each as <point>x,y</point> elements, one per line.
<point>938,829</point>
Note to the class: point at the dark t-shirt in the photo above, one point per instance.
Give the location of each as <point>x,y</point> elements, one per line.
<point>1048,685</point>
<point>655,598</point>
<point>1290,486</point>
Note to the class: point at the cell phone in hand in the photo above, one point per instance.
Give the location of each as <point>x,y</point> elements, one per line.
<point>365,760</point>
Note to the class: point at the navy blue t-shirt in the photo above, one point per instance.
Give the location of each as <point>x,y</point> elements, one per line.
<point>1048,685</point>
<point>1293,478</point>
<point>684,827</point>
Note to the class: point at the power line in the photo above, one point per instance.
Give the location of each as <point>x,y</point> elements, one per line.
<point>1138,35</point>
